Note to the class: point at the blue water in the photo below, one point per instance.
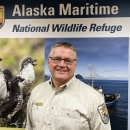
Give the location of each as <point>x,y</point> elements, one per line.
<point>119,113</point>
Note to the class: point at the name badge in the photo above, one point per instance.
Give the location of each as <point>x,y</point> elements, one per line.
<point>38,103</point>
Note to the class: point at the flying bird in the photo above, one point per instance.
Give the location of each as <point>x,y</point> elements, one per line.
<point>14,102</point>
<point>27,72</point>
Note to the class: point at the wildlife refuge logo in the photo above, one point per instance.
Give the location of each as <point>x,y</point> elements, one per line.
<point>2,16</point>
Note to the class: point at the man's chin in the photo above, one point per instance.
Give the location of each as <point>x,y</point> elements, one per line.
<point>60,72</point>
<point>61,78</point>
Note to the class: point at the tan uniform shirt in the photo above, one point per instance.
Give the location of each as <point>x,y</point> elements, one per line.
<point>75,106</point>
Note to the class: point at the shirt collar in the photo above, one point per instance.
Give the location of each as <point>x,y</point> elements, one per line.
<point>67,85</point>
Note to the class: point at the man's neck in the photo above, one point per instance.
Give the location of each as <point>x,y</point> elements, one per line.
<point>57,84</point>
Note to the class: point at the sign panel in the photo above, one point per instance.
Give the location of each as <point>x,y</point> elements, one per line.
<point>98,29</point>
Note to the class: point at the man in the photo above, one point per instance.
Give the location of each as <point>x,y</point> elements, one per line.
<point>64,102</point>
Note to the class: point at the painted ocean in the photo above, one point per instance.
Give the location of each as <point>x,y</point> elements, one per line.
<point>119,113</point>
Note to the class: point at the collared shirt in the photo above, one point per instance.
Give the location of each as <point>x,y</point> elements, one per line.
<point>74,106</point>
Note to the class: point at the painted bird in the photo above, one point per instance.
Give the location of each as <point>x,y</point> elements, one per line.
<point>14,102</point>
<point>8,76</point>
<point>5,78</point>
<point>3,86</point>
<point>27,72</point>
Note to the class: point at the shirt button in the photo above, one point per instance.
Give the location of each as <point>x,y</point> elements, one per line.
<point>56,94</point>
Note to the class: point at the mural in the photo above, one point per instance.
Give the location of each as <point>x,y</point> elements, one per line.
<point>21,69</point>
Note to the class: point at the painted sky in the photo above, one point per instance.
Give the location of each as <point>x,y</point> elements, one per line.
<point>105,58</point>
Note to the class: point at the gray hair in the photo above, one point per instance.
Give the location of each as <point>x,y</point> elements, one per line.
<point>66,45</point>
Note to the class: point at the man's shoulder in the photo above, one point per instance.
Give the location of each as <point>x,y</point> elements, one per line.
<point>82,84</point>
<point>86,88</point>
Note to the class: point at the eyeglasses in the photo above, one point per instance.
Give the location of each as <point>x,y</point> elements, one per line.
<point>57,60</point>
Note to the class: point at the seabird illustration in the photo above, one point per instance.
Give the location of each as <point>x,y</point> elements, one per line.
<point>5,78</point>
<point>27,72</point>
<point>14,102</point>
<point>8,76</point>
<point>3,86</point>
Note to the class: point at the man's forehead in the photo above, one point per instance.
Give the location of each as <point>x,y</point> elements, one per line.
<point>62,48</point>
<point>63,52</point>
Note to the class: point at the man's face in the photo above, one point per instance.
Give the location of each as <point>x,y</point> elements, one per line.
<point>62,72</point>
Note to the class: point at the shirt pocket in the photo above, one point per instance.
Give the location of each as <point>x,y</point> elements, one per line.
<point>37,115</point>
<point>68,120</point>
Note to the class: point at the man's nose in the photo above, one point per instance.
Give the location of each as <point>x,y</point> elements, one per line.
<point>62,63</point>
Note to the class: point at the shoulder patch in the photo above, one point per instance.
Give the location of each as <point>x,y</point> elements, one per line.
<point>103,113</point>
